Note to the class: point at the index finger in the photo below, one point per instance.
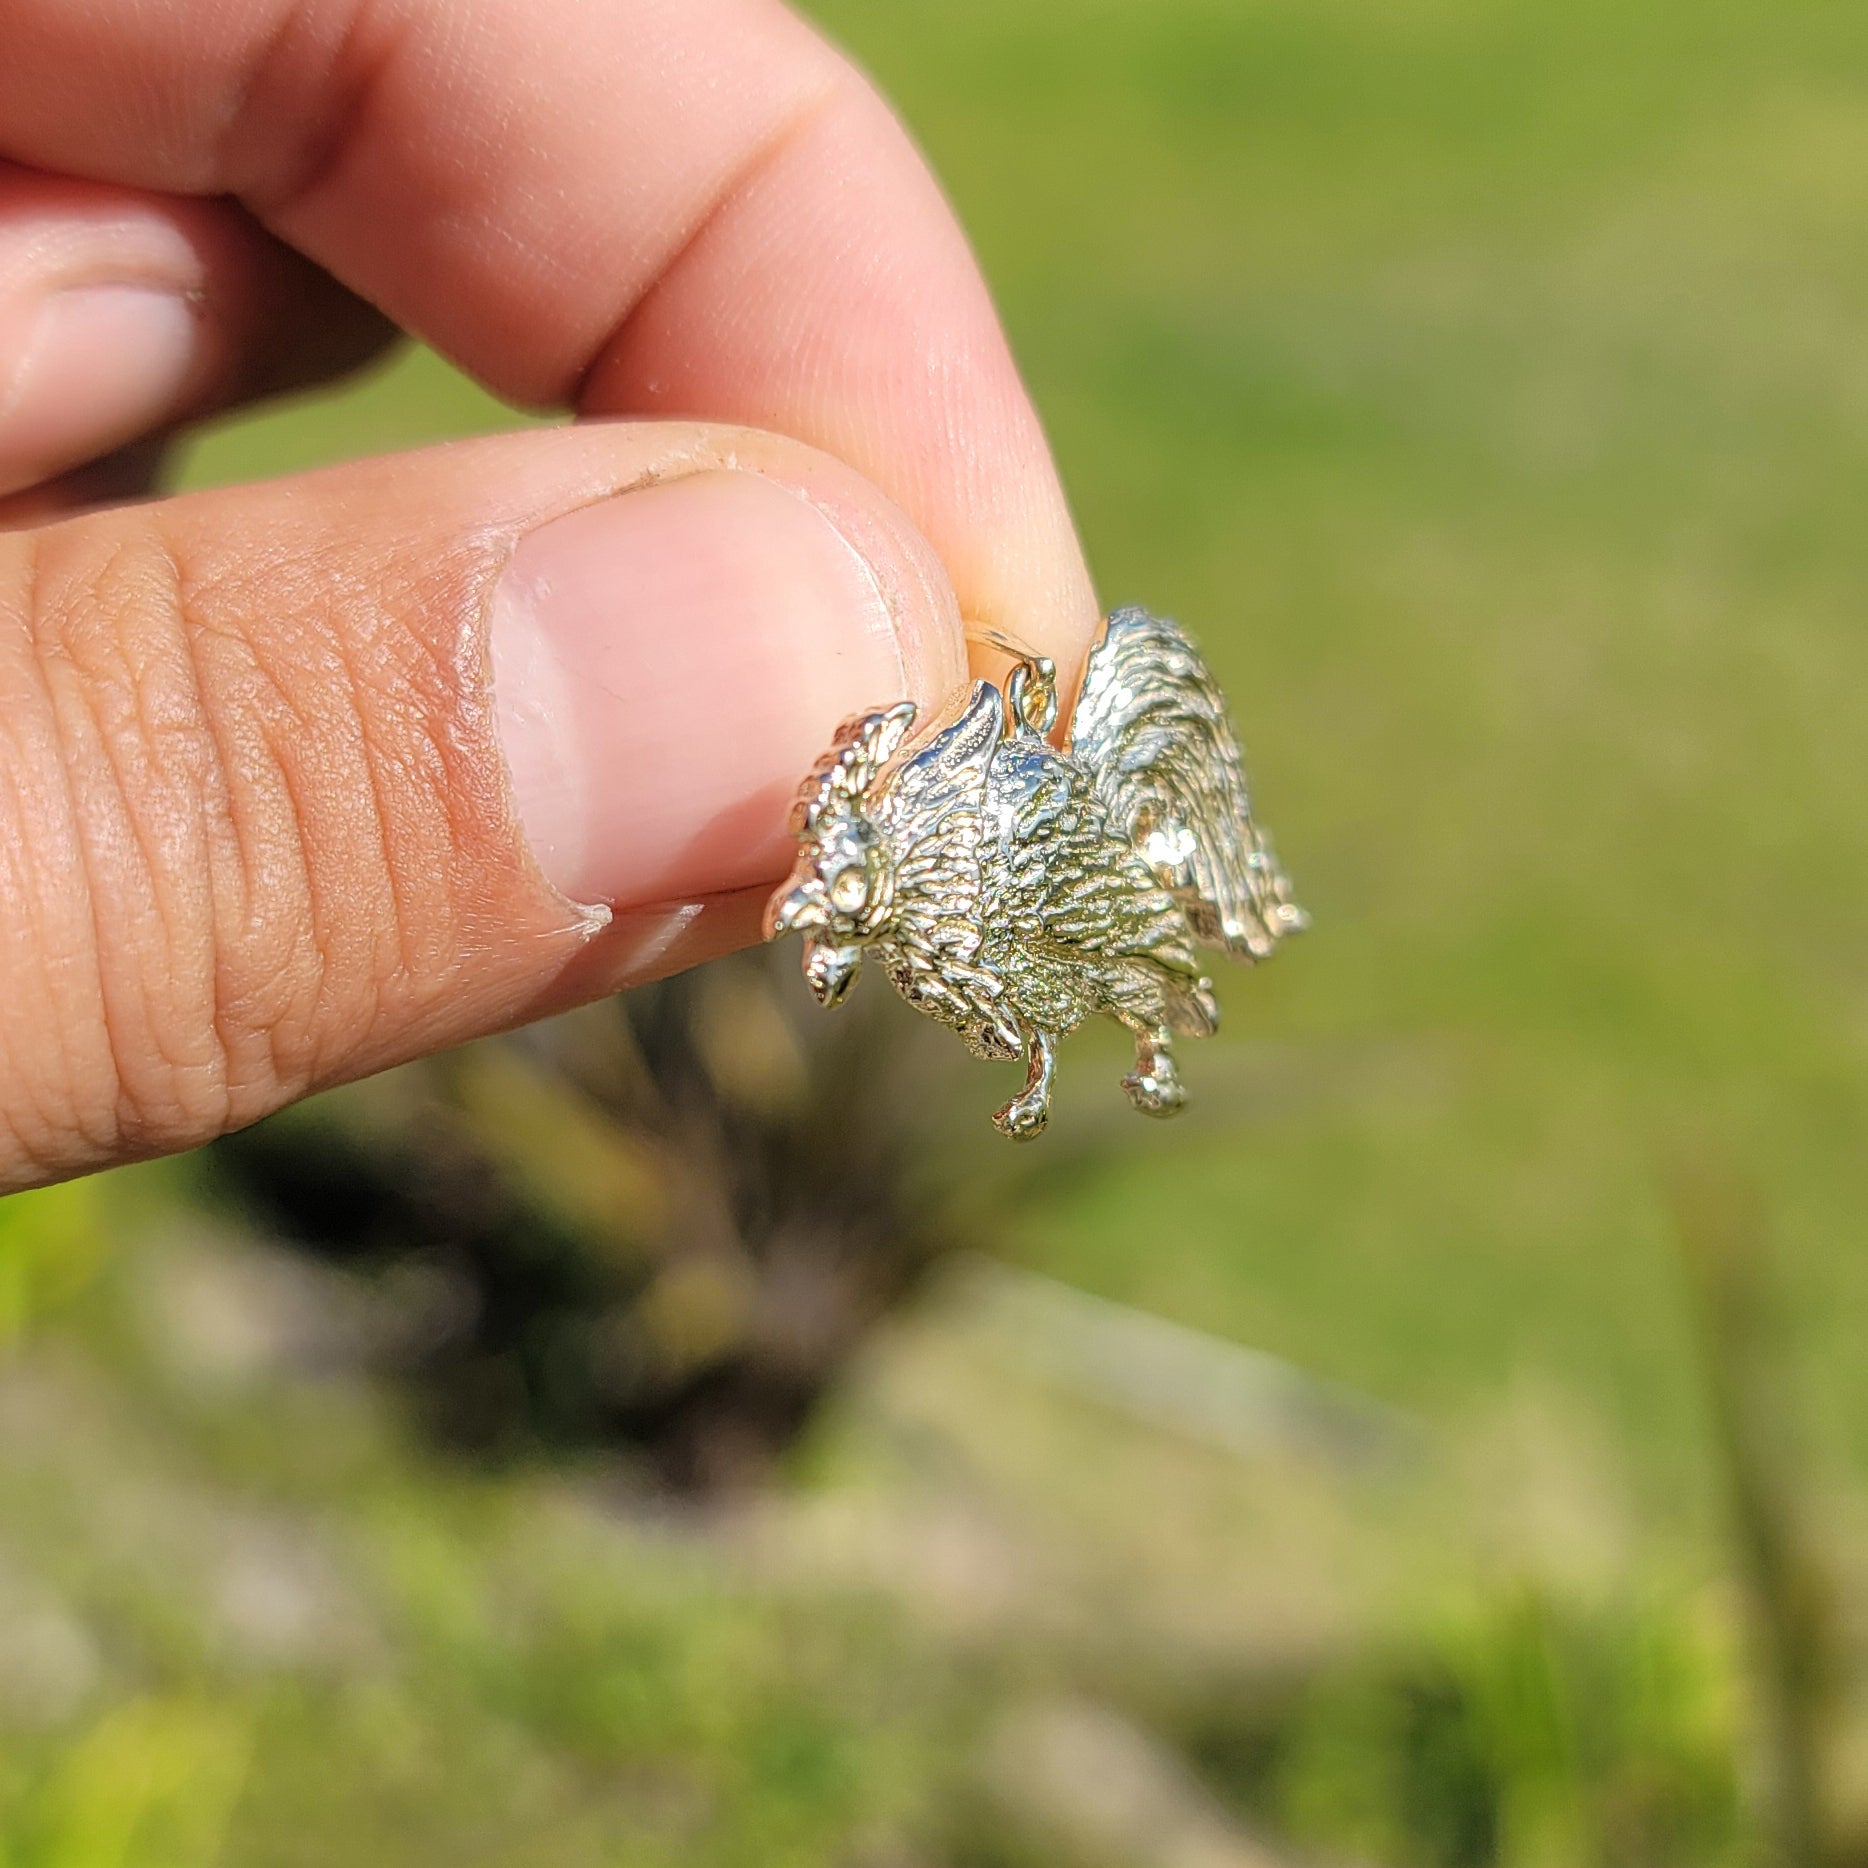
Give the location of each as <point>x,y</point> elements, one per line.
<point>691,206</point>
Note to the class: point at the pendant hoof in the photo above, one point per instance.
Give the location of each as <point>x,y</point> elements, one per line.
<point>1156,1091</point>
<point>1022,1121</point>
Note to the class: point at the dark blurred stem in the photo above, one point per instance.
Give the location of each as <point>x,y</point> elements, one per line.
<point>1789,1600</point>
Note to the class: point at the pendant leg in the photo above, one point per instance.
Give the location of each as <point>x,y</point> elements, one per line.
<point>1154,1086</point>
<point>1026,1114</point>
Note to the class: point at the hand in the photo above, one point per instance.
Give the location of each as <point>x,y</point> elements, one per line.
<point>301,779</point>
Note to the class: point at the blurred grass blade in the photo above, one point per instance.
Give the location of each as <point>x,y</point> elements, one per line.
<point>1789,1596</point>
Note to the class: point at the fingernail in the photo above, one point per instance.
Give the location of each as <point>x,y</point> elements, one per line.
<point>667,665</point>
<point>100,365</point>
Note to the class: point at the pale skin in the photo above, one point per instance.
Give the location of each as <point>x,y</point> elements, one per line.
<point>294,782</point>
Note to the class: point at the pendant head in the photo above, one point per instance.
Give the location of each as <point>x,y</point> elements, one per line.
<point>842,887</point>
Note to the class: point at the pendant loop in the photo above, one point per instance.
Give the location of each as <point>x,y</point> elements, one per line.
<point>1032,692</point>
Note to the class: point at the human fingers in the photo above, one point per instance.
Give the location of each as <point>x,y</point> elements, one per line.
<point>681,206</point>
<point>123,313</point>
<point>301,779</point>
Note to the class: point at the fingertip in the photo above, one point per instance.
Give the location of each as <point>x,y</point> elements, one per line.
<point>97,367</point>
<point>124,313</point>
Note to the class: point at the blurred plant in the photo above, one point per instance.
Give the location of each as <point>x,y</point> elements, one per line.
<point>1791,1600</point>
<point>664,1222</point>
<point>50,1244</point>
<point>151,1784</point>
<point>1527,1729</point>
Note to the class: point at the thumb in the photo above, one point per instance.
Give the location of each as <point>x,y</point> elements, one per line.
<point>301,779</point>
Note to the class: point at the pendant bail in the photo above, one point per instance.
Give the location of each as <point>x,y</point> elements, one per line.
<point>1032,694</point>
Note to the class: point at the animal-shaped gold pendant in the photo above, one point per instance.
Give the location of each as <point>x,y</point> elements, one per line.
<point>1011,887</point>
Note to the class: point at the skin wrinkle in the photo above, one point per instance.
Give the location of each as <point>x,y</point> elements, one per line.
<point>378,976</point>
<point>122,1121</point>
<point>333,129</point>
<point>301,979</point>
<point>457,727</point>
<point>54,1118</point>
<point>418,767</point>
<point>50,652</point>
<point>436,756</point>
<point>338,996</point>
<point>355,996</point>
<point>259,1009</point>
<point>231,926</point>
<point>383,976</point>
<point>161,1094</point>
<point>301,1040</point>
<point>155,745</point>
<point>19,770</point>
<point>243,1008</point>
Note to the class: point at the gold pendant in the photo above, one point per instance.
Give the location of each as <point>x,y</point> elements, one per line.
<point>1011,888</point>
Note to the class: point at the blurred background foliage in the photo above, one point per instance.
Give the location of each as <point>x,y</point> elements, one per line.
<point>1449,1445</point>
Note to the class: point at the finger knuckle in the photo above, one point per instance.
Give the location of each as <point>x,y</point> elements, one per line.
<point>172,807</point>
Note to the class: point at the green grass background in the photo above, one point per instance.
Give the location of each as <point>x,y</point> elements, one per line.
<point>1485,382</point>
